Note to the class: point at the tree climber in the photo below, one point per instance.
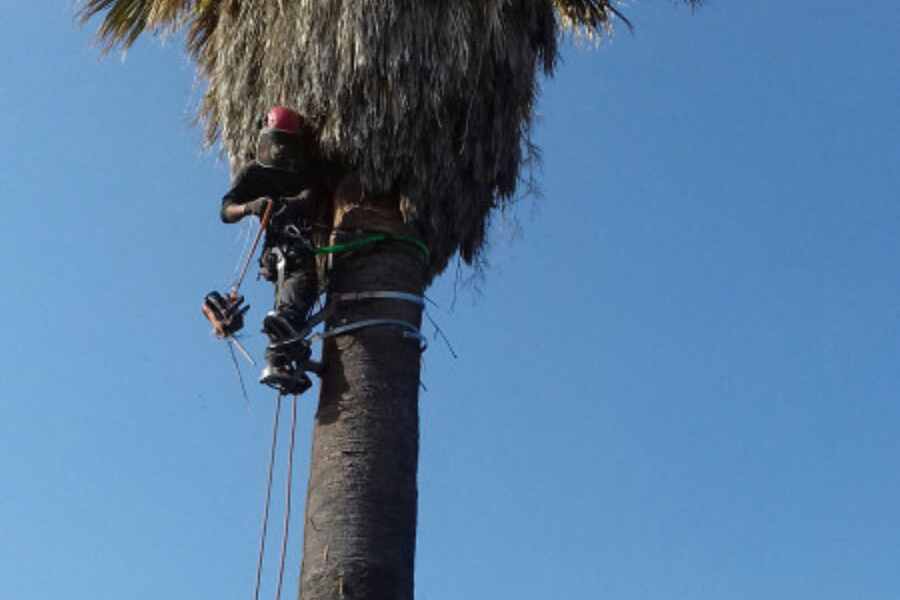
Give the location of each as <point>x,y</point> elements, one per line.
<point>282,174</point>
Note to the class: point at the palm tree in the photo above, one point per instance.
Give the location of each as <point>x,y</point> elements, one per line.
<point>430,105</point>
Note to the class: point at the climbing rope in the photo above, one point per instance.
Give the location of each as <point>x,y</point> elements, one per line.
<point>263,225</point>
<point>287,500</point>
<point>237,369</point>
<point>265,519</point>
<point>289,480</point>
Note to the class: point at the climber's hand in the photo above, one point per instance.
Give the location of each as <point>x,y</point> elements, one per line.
<point>258,207</point>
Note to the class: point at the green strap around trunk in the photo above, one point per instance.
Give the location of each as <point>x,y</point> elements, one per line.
<point>374,239</point>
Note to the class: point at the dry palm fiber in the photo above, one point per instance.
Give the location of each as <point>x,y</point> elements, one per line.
<point>430,99</point>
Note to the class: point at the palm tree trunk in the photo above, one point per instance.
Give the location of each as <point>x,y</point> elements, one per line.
<point>360,523</point>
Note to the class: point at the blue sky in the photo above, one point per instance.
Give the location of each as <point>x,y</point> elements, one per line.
<point>679,378</point>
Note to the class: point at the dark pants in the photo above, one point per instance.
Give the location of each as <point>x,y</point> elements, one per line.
<point>296,290</point>
<point>296,283</point>
<point>296,293</point>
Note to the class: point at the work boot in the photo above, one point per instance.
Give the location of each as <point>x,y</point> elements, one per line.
<point>277,327</point>
<point>285,337</point>
<point>293,350</point>
<point>285,380</point>
<point>283,324</point>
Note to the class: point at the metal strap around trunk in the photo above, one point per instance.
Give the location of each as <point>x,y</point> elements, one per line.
<point>409,330</point>
<point>405,296</point>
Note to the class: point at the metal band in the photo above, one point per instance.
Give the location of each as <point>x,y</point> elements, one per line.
<point>405,296</point>
<point>281,267</point>
<point>409,330</point>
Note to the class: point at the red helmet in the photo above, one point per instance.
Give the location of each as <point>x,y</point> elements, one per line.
<point>282,118</point>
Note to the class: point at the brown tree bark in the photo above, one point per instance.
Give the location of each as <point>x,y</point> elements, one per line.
<point>360,522</point>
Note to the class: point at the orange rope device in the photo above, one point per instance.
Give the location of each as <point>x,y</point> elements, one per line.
<point>225,312</point>
<point>263,224</point>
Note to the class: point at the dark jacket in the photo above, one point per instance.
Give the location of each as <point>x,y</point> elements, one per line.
<point>256,181</point>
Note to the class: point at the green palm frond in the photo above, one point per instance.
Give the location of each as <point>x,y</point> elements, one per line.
<point>590,17</point>
<point>204,20</point>
<point>594,18</point>
<point>126,20</point>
